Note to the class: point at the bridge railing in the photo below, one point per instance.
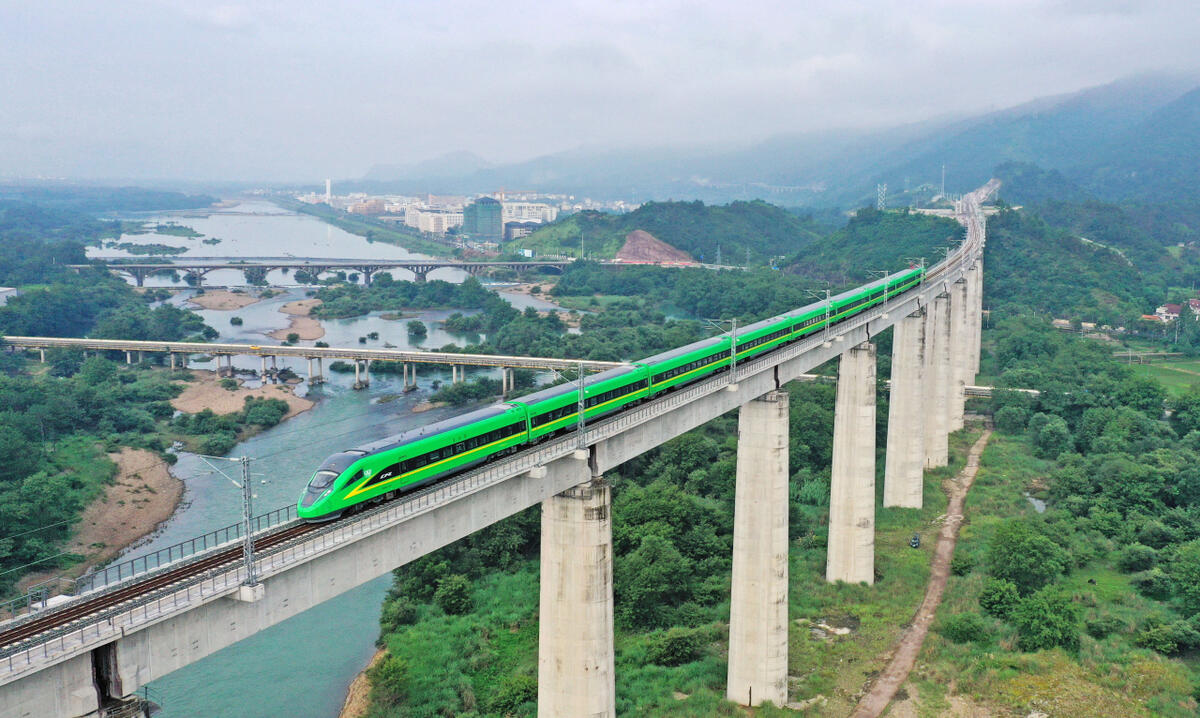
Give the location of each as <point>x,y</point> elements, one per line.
<point>123,571</point>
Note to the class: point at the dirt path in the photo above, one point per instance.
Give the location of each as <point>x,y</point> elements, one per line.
<point>904,655</point>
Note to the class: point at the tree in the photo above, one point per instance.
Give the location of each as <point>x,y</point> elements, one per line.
<point>416,329</point>
<point>999,597</point>
<point>1053,439</point>
<point>453,595</point>
<point>389,680</point>
<point>650,581</point>
<point>678,645</point>
<point>1011,419</point>
<point>1025,557</point>
<point>1185,573</point>
<point>1046,619</point>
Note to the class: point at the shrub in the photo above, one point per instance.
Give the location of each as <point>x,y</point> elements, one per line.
<point>964,628</point>
<point>1154,583</point>
<point>229,384</point>
<point>293,337</point>
<point>962,564</point>
<point>1046,619</point>
<point>514,692</point>
<point>453,595</point>
<point>397,612</point>
<point>676,646</point>
<point>235,321</point>
<point>999,597</point>
<point>1136,557</point>
<point>218,444</point>
<point>389,680</point>
<point>1011,419</point>
<point>1104,626</point>
<point>416,329</point>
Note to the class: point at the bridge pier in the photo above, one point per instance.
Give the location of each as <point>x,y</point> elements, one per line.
<point>362,375</point>
<point>851,550</point>
<point>959,350</point>
<point>975,312</point>
<point>937,376</point>
<point>903,476</point>
<point>576,673</point>
<point>263,371</point>
<point>42,356</point>
<point>129,357</point>
<point>169,354</point>
<point>758,612</point>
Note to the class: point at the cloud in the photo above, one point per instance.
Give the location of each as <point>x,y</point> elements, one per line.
<point>304,89</point>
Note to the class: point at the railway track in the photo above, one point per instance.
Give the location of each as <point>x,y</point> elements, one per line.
<point>83,609</point>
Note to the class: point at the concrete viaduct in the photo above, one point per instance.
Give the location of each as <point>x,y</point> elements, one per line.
<point>362,358</point>
<point>88,652</point>
<point>199,267</point>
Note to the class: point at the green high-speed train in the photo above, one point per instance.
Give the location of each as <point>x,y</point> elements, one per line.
<point>374,472</point>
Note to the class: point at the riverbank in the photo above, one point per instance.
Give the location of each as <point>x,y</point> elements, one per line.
<point>205,392</point>
<point>223,299</point>
<point>358,696</point>
<point>143,495</point>
<point>307,327</point>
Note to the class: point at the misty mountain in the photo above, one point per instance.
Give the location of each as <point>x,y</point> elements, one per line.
<point>1100,138</point>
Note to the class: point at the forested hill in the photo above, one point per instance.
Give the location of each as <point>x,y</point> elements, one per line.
<point>694,227</point>
<point>95,200</point>
<point>874,240</point>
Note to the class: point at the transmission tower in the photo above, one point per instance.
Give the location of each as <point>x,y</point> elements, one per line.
<point>881,196</point>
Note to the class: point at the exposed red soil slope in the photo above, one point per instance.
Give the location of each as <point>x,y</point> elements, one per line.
<point>641,246</point>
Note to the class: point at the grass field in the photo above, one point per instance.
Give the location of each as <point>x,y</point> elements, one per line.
<point>1176,376</point>
<point>1106,678</point>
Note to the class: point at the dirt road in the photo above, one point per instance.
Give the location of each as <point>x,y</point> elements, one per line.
<point>876,701</point>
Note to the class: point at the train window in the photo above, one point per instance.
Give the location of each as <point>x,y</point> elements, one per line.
<point>322,479</point>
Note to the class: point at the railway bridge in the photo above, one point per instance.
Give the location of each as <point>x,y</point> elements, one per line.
<point>116,636</point>
<point>314,266</point>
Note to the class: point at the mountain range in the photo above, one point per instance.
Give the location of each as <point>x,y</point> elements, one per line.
<point>1137,137</point>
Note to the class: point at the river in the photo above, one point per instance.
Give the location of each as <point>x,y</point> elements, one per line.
<point>303,666</point>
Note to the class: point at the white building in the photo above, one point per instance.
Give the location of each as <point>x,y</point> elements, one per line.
<point>436,221</point>
<point>529,212</point>
<point>7,293</point>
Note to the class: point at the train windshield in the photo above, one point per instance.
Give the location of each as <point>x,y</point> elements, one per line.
<point>322,479</point>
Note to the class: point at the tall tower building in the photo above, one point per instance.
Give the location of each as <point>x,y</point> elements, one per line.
<point>328,190</point>
<point>484,219</point>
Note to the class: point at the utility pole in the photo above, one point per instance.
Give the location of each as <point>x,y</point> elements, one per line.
<point>247,513</point>
<point>718,254</point>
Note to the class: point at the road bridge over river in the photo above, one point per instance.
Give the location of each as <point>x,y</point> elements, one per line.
<point>315,266</point>
<point>109,641</point>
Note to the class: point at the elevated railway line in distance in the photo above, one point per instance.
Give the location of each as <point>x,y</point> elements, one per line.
<point>304,352</point>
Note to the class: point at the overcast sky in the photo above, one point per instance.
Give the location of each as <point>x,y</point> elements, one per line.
<point>303,90</point>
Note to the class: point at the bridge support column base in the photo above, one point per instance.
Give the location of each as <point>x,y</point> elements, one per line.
<point>960,349</point>
<point>250,594</point>
<point>903,475</point>
<point>575,635</point>
<point>758,613</point>
<point>937,379</point>
<point>851,552</point>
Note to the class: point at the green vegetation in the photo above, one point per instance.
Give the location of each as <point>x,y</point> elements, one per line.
<point>874,241</point>
<point>80,199</point>
<point>373,230</point>
<point>150,249</point>
<point>352,300</point>
<point>176,230</point>
<point>1089,608</point>
<point>763,229</point>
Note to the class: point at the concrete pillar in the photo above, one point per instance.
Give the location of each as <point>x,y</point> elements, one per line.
<point>937,378</point>
<point>263,373</point>
<point>976,317</point>
<point>758,612</point>
<point>851,552</point>
<point>575,631</point>
<point>367,373</point>
<point>357,375</point>
<point>321,369</point>
<point>959,349</point>
<point>128,357</point>
<point>310,370</point>
<point>42,357</point>
<point>171,354</point>
<point>903,473</point>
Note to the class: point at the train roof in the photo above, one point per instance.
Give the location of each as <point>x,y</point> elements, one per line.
<point>680,351</point>
<point>566,387</point>
<point>438,427</point>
